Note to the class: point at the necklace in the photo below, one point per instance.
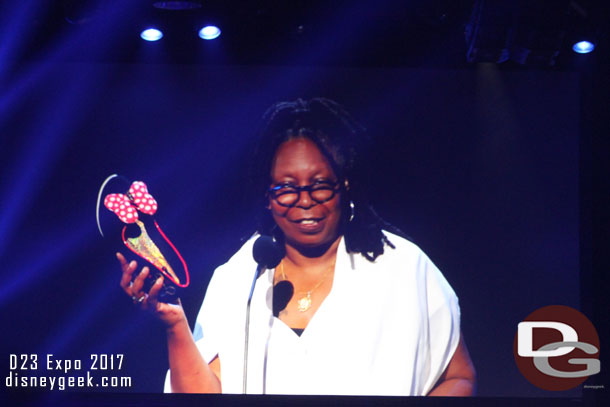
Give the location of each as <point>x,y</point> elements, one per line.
<point>304,303</point>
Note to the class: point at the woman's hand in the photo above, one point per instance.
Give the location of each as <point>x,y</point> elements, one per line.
<point>169,314</point>
<point>189,372</point>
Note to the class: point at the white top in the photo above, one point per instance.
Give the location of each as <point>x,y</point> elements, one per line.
<point>386,328</point>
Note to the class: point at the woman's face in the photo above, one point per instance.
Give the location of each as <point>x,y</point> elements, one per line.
<point>299,162</point>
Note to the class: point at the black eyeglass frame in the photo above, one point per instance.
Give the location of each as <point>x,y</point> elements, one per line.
<point>335,187</point>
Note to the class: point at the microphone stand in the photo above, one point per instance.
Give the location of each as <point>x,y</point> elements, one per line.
<point>267,253</point>
<point>259,269</point>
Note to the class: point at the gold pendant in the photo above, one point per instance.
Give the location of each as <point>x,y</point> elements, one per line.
<point>304,303</point>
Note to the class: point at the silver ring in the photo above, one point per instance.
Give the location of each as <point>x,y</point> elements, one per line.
<point>138,300</point>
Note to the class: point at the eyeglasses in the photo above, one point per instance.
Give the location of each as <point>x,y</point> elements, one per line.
<point>288,195</point>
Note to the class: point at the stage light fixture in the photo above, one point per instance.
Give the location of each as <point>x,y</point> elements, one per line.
<point>151,34</point>
<point>177,4</point>
<point>583,47</point>
<point>209,32</point>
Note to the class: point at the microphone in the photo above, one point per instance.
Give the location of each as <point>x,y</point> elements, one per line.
<point>267,253</point>
<point>282,294</point>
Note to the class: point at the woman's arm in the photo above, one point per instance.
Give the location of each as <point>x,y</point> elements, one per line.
<point>189,372</point>
<point>459,379</point>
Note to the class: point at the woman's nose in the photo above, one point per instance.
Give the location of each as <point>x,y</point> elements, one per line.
<point>304,200</point>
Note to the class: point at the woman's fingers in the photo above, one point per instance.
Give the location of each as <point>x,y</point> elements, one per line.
<point>134,287</point>
<point>153,295</point>
<point>170,314</point>
<point>138,283</point>
<point>121,259</point>
<point>128,270</point>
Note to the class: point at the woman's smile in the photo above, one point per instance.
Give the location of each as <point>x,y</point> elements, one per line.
<point>309,225</point>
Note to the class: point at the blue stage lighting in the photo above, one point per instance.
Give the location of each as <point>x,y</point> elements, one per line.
<point>151,34</point>
<point>583,47</point>
<point>209,32</point>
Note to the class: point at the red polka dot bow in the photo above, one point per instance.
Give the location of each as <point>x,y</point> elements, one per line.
<point>124,206</point>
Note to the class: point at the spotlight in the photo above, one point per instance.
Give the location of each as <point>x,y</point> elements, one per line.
<point>583,47</point>
<point>209,32</point>
<point>151,34</point>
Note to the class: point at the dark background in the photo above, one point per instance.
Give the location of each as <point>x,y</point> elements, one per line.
<point>493,170</point>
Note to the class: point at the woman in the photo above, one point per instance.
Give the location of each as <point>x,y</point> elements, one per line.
<point>367,313</point>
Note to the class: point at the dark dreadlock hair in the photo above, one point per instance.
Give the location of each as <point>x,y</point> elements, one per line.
<point>342,141</point>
